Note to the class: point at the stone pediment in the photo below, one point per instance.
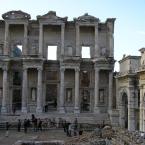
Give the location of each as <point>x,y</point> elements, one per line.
<point>86,18</point>
<point>51,15</point>
<point>16,15</point>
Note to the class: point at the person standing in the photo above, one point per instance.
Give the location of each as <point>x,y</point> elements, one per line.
<point>25,125</point>
<point>7,129</point>
<point>19,125</point>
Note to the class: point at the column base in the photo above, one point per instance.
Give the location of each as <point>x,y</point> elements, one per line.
<point>96,110</point>
<point>61,110</point>
<point>76,110</point>
<point>38,110</point>
<point>24,110</point>
<point>4,110</point>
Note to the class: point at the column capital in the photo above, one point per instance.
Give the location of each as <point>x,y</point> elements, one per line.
<point>77,69</point>
<point>62,69</point>
<point>62,25</point>
<point>39,68</point>
<point>97,69</point>
<point>5,68</point>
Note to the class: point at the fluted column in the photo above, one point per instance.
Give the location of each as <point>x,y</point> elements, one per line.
<point>77,40</point>
<point>6,42</point>
<point>96,91</point>
<point>62,38</point>
<point>39,91</point>
<point>24,50</point>
<point>24,91</point>
<point>97,53</point>
<point>61,99</point>
<point>40,39</point>
<point>77,106</point>
<point>110,101</point>
<point>5,91</point>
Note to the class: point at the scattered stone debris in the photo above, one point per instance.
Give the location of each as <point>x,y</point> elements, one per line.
<point>108,136</point>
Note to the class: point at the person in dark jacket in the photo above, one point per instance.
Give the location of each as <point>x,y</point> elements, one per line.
<point>19,125</point>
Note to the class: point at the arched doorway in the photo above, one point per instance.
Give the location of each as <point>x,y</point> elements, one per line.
<point>125,110</point>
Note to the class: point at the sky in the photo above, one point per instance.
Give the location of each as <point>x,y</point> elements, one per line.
<point>129,31</point>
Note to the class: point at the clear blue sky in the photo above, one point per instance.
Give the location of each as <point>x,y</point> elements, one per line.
<point>129,34</point>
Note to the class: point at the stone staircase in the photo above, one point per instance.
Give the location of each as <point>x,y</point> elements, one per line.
<point>89,118</point>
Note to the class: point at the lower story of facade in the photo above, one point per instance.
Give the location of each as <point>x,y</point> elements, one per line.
<point>65,88</point>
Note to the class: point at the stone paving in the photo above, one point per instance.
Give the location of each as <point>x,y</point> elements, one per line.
<point>55,134</point>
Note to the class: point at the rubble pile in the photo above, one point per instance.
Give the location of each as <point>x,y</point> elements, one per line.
<point>122,136</point>
<point>97,137</point>
<point>108,136</point>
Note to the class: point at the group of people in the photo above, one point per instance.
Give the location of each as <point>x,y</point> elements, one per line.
<point>38,124</point>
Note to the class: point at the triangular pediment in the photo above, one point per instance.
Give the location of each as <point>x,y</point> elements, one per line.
<point>16,15</point>
<point>87,18</point>
<point>51,15</point>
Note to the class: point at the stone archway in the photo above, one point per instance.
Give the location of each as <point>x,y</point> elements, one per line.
<point>124,110</point>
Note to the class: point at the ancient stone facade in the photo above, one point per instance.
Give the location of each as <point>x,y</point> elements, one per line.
<point>73,83</point>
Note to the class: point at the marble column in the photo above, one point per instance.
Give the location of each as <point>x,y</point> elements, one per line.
<point>110,39</point>
<point>131,110</point>
<point>97,53</point>
<point>24,91</point>
<point>24,50</point>
<point>5,91</point>
<point>62,38</point>
<point>77,106</point>
<point>110,99</point>
<point>6,42</point>
<point>141,119</point>
<point>96,91</point>
<point>39,107</point>
<point>61,99</point>
<point>77,40</point>
<point>40,39</point>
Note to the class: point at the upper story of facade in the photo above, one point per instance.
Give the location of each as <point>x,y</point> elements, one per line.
<point>84,37</point>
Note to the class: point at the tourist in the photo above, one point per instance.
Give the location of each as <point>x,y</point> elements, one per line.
<point>25,125</point>
<point>75,126</point>
<point>39,124</point>
<point>19,125</point>
<point>7,129</point>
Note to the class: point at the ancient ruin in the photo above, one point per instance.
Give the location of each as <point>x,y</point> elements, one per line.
<point>77,79</point>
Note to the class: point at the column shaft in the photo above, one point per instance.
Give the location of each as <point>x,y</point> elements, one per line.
<point>40,39</point>
<point>97,53</point>
<point>6,42</point>
<point>76,108</point>
<point>141,119</point>
<point>131,113</point>
<point>39,91</point>
<point>96,91</point>
<point>5,95</point>
<point>62,38</point>
<point>61,100</point>
<point>24,50</point>
<point>24,91</point>
<point>77,40</point>
<point>110,91</point>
